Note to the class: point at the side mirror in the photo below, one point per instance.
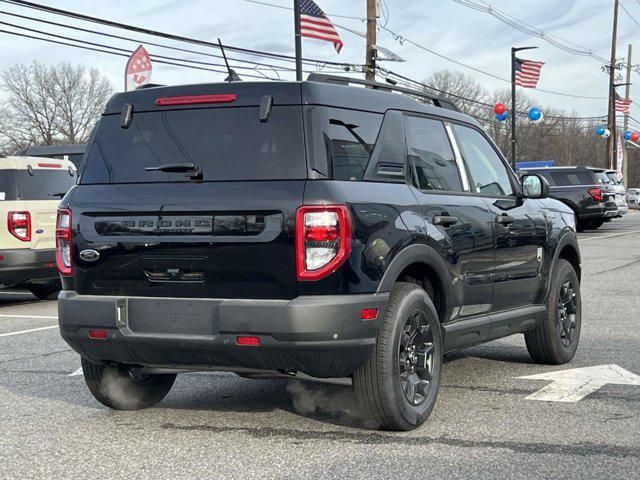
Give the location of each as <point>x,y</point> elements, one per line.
<point>534,186</point>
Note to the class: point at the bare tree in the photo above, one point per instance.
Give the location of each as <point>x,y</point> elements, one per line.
<point>51,104</point>
<point>459,87</point>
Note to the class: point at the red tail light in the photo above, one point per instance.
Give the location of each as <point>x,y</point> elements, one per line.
<point>63,242</point>
<point>596,193</point>
<point>19,225</point>
<point>323,240</point>
<point>195,99</point>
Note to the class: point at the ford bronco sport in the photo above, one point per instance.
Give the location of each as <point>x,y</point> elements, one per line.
<point>30,191</point>
<point>313,227</point>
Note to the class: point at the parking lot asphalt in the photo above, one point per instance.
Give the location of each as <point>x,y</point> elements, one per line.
<point>219,425</point>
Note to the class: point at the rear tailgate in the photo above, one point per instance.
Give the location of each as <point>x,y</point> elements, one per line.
<point>215,240</point>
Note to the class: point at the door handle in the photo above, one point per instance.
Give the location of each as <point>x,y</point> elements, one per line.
<point>505,220</point>
<point>445,220</point>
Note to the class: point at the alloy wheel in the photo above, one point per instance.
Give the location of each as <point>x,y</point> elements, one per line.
<point>415,354</point>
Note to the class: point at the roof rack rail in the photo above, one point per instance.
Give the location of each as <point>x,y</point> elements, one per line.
<point>346,81</point>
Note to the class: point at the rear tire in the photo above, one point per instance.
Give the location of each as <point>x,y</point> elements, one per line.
<point>398,385</point>
<point>120,389</point>
<point>595,224</point>
<point>555,340</point>
<point>45,291</point>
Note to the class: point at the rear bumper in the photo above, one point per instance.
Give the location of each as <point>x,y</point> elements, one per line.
<point>322,336</point>
<point>26,265</point>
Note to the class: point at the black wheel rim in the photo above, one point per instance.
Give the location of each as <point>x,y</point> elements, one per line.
<point>415,354</point>
<point>567,313</point>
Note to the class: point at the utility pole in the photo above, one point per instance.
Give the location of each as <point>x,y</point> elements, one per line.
<point>370,56</point>
<point>627,94</point>
<point>611,115</point>
<point>298,39</point>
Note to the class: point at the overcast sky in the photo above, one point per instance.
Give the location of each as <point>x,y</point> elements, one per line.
<point>444,26</point>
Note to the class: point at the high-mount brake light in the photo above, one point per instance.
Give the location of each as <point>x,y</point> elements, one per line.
<point>63,242</point>
<point>49,165</point>
<point>596,193</point>
<point>323,240</point>
<point>195,99</point>
<point>19,225</point>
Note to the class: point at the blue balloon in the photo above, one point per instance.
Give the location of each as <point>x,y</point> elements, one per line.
<point>502,117</point>
<point>627,135</point>
<point>600,130</point>
<point>534,114</point>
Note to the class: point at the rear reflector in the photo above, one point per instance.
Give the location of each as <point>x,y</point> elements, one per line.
<point>49,165</point>
<point>369,314</point>
<point>248,341</point>
<point>195,99</point>
<point>98,334</point>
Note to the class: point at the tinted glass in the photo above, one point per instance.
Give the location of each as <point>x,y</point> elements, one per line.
<point>44,184</point>
<point>613,176</point>
<point>571,178</point>
<point>432,156</point>
<point>602,178</point>
<point>228,143</point>
<point>488,171</point>
<point>349,139</point>
<point>7,185</point>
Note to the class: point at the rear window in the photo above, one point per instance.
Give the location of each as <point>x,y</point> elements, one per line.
<point>228,143</point>
<point>602,178</point>
<point>571,178</point>
<point>38,185</point>
<point>613,177</point>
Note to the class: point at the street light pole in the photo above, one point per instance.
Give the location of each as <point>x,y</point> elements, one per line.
<point>298,35</point>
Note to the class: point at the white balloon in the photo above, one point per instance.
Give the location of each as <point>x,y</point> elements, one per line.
<point>539,121</point>
<point>607,133</point>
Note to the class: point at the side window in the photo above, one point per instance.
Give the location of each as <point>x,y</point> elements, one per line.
<point>349,138</point>
<point>489,173</point>
<point>434,163</point>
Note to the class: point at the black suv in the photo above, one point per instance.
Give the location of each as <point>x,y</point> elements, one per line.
<point>305,227</point>
<point>584,189</point>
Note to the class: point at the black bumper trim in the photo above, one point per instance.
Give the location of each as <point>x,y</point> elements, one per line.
<point>23,265</point>
<point>321,336</point>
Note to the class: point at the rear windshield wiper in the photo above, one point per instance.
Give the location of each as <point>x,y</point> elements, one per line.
<point>61,194</point>
<point>175,168</point>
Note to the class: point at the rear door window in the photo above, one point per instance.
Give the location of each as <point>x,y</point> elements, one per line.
<point>571,178</point>
<point>44,184</point>
<point>431,155</point>
<point>228,143</point>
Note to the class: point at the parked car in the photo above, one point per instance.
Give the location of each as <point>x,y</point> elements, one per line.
<point>608,190</point>
<point>633,197</point>
<point>617,186</point>
<point>585,190</point>
<point>312,227</point>
<point>30,191</point>
<point>71,152</point>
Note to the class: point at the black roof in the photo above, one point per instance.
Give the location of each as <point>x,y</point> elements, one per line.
<point>310,92</point>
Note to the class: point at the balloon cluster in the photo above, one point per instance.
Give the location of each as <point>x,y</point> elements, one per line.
<point>633,136</point>
<point>535,116</point>
<point>500,109</point>
<point>603,131</point>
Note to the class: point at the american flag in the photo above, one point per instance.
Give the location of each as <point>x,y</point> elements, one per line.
<point>527,72</point>
<point>623,105</point>
<point>315,24</point>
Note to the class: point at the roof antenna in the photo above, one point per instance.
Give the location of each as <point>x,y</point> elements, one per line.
<point>233,76</point>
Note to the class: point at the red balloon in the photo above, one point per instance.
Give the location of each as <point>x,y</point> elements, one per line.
<point>500,108</point>
<point>635,136</point>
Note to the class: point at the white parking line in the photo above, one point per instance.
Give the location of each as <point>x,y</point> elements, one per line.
<point>27,331</point>
<point>28,316</point>
<point>75,373</point>
<point>608,236</point>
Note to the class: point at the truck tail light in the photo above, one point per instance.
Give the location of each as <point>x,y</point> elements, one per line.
<point>19,224</point>
<point>63,242</point>
<point>596,193</point>
<point>323,240</point>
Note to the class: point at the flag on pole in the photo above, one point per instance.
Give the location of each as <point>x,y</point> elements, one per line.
<point>623,105</point>
<point>527,72</point>
<point>138,70</point>
<point>315,24</point>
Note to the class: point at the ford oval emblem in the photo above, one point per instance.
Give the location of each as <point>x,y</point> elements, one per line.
<point>89,255</point>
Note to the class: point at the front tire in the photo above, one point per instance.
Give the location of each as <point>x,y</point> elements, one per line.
<point>119,388</point>
<point>555,340</point>
<point>398,385</point>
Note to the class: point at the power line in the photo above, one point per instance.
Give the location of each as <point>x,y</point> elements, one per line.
<point>521,26</point>
<point>629,13</point>
<point>282,7</point>
<point>170,36</point>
